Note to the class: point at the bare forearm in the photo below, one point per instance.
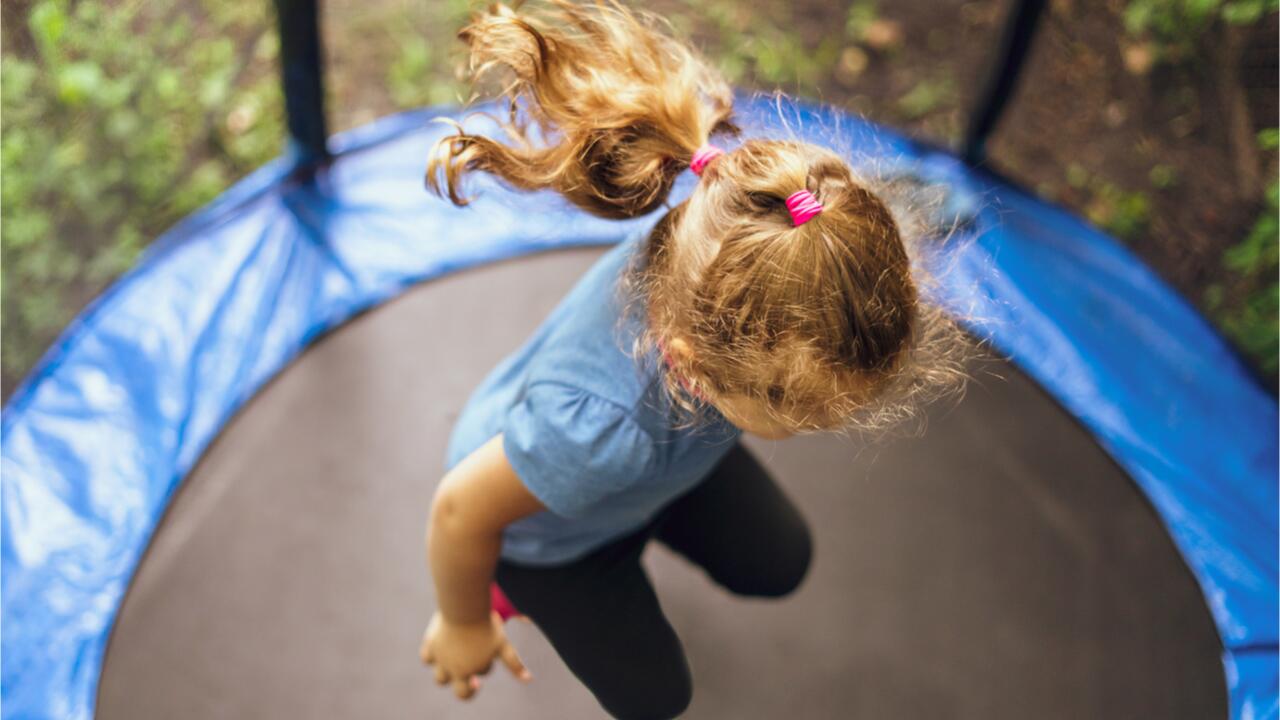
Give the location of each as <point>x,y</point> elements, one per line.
<point>474,503</point>
<point>462,559</point>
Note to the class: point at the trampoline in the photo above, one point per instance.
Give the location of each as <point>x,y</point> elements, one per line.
<point>215,484</point>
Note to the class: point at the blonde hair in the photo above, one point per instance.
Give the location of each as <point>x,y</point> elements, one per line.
<point>821,326</point>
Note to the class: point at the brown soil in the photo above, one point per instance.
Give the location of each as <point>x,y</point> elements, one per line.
<point>1079,105</point>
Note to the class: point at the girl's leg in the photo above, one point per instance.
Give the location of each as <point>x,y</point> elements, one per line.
<point>740,527</point>
<point>601,615</point>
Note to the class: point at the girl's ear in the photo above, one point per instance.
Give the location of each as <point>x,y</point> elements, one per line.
<point>680,349</point>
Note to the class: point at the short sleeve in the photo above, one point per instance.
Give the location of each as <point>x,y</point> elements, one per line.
<point>572,448</point>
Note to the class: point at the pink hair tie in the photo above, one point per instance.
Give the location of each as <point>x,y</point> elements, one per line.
<point>803,207</point>
<point>500,604</point>
<point>702,156</point>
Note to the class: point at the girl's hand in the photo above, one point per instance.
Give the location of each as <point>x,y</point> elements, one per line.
<point>460,653</point>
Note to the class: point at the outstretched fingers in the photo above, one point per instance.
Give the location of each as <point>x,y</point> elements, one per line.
<point>424,652</point>
<point>513,662</point>
<point>465,688</point>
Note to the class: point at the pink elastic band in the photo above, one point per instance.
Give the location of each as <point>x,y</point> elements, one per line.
<point>702,156</point>
<point>670,363</point>
<point>803,207</point>
<point>500,604</point>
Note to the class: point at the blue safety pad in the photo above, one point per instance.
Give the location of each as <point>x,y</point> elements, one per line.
<point>107,426</point>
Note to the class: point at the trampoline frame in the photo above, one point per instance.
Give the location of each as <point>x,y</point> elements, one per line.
<point>103,431</point>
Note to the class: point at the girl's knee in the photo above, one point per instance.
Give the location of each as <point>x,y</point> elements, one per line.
<point>652,699</point>
<point>781,573</point>
<point>788,577</point>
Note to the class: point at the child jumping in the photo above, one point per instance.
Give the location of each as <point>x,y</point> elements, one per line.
<point>780,298</point>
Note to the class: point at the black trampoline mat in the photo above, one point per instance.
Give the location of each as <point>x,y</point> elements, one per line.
<point>1000,566</point>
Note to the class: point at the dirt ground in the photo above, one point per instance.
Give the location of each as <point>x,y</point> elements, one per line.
<point>1079,105</point>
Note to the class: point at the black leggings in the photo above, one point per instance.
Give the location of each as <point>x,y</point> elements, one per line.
<point>600,612</point>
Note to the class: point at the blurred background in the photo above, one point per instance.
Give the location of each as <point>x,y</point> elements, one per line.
<point>1154,119</point>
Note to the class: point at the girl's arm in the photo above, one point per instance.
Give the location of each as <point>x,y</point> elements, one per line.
<point>477,499</point>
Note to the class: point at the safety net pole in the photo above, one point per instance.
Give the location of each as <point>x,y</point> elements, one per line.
<point>1015,42</point>
<point>302,73</point>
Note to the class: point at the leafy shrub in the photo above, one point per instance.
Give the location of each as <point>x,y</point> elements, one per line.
<point>1123,213</point>
<point>1251,316</point>
<point>756,44</point>
<point>426,58</point>
<point>120,118</point>
<point>1176,25</point>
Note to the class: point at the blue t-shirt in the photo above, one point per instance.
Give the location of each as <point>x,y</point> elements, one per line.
<point>586,427</point>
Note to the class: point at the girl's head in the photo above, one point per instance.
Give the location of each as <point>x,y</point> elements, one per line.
<point>783,327</point>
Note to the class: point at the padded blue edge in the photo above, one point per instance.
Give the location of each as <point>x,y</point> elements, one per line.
<point>102,432</point>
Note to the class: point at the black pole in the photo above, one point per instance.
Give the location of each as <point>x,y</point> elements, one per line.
<point>302,72</point>
<point>1015,41</point>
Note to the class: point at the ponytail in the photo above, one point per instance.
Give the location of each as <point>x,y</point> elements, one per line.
<point>604,108</point>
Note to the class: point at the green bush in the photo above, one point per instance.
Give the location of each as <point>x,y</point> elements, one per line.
<point>1177,25</point>
<point>119,118</point>
<point>755,43</point>
<point>1251,317</point>
<point>426,54</point>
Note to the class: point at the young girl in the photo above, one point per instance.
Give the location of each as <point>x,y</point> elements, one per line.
<point>778,299</point>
